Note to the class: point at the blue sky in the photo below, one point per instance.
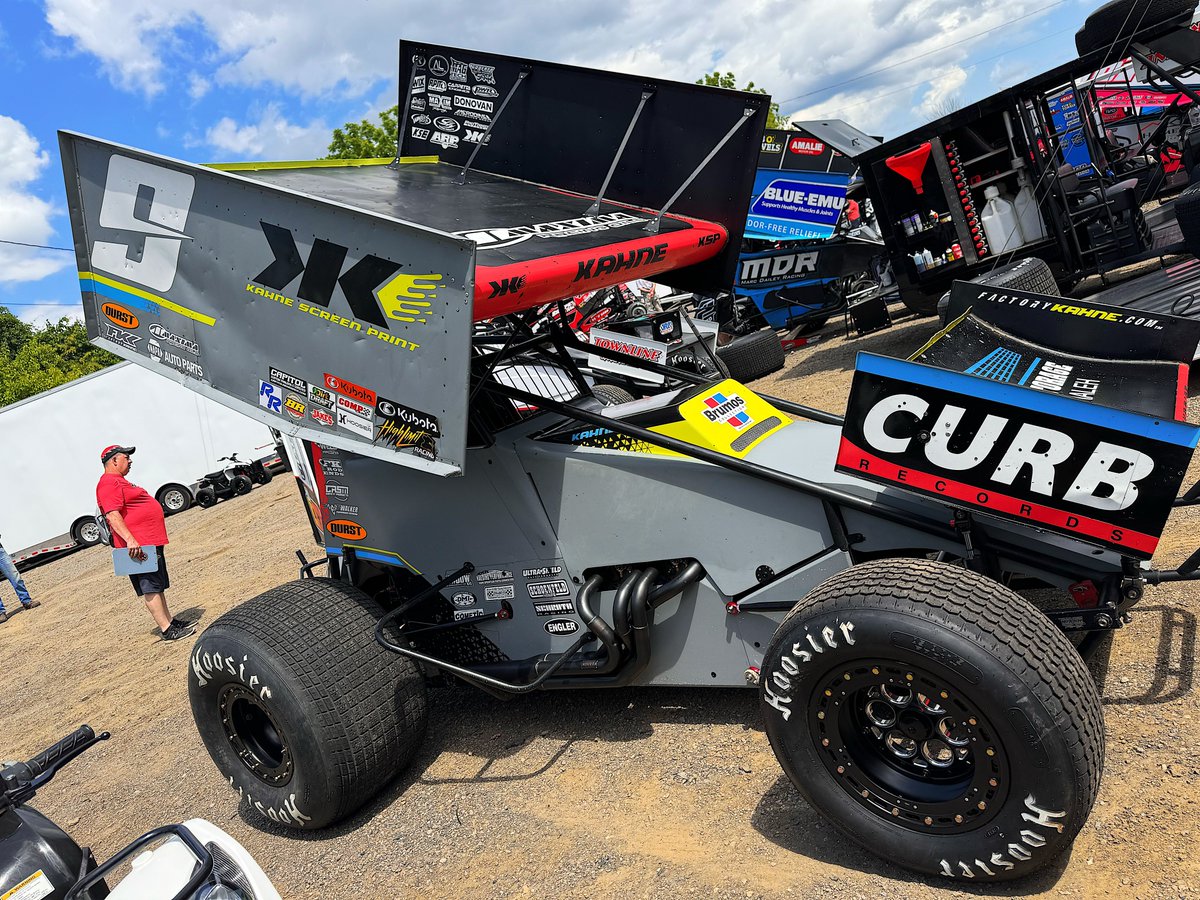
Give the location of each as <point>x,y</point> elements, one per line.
<point>209,80</point>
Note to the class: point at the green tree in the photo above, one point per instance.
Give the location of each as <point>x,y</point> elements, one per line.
<point>366,139</point>
<point>728,81</point>
<point>33,360</point>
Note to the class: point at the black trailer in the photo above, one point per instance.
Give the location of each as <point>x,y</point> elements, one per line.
<point>930,185</point>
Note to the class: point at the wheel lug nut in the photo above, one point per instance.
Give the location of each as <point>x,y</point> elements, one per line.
<point>991,751</point>
<point>828,693</point>
<point>874,670</point>
<point>824,742</point>
<point>865,794</point>
<point>993,782</point>
<point>845,676</point>
<point>972,722</point>
<point>820,715</point>
<point>958,819</point>
<point>945,696</point>
<point>928,820</point>
<point>895,812</point>
<point>982,805</point>
<point>908,677</point>
<point>841,770</point>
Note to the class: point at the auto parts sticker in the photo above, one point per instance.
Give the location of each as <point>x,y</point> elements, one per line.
<point>554,608</point>
<point>334,489</point>
<point>463,599</point>
<point>561,626</point>
<point>418,84</point>
<point>462,614</point>
<point>321,416</point>
<point>485,74</point>
<point>458,70</point>
<point>541,590</point>
<point>350,389</point>
<point>401,426</point>
<point>499,592</point>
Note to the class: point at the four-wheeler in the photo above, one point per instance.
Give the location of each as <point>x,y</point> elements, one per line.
<point>231,481</point>
<point>255,470</point>
<point>194,860</point>
<point>524,534</point>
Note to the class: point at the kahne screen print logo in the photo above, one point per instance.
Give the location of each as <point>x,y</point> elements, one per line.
<point>151,202</point>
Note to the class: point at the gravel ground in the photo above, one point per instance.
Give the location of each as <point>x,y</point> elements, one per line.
<point>633,793</point>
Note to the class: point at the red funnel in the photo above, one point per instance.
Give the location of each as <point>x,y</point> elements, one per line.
<point>911,165</point>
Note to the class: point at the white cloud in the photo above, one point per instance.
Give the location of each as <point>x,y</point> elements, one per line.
<point>791,49</point>
<point>271,135</point>
<point>49,311</point>
<point>198,86</point>
<point>26,217</point>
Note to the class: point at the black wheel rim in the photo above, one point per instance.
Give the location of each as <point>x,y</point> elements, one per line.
<point>255,735</point>
<point>909,747</point>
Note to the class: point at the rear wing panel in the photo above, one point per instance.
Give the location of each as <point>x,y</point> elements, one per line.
<point>320,320</point>
<point>1104,476</point>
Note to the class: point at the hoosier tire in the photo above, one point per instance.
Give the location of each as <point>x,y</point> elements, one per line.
<point>936,718</point>
<point>752,355</point>
<point>304,714</point>
<point>1187,214</point>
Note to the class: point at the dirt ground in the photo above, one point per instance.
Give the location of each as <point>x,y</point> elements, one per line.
<point>632,793</point>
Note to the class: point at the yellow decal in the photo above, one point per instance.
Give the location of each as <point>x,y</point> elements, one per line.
<point>34,887</point>
<point>730,418</point>
<point>403,298</point>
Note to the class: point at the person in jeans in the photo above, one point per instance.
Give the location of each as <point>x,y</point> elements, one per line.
<point>9,570</point>
<point>136,519</point>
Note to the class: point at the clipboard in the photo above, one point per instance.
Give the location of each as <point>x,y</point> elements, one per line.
<point>124,564</point>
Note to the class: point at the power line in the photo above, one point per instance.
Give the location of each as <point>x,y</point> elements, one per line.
<point>36,246</point>
<point>902,62</point>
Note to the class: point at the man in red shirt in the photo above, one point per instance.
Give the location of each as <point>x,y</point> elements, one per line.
<point>136,519</point>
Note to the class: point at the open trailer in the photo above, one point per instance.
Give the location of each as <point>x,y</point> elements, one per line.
<point>1043,143</point>
<point>856,571</point>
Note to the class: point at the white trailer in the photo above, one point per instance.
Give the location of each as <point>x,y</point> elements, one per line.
<point>53,442</point>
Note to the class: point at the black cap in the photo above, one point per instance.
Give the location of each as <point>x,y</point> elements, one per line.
<point>112,450</point>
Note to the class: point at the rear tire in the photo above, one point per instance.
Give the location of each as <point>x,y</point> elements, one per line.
<point>174,498</point>
<point>242,485</point>
<point>263,478</point>
<point>935,717</point>
<point>1187,214</point>
<point>611,394</point>
<point>752,355</point>
<point>304,714</point>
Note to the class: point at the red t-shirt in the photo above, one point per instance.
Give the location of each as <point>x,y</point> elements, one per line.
<point>142,513</point>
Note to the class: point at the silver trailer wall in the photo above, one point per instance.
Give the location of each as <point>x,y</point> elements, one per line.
<point>371,352</point>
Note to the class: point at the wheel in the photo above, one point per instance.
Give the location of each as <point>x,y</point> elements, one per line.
<point>241,485</point>
<point>85,532</point>
<point>174,498</point>
<point>262,477</point>
<point>1187,213</point>
<point>304,714</point>
<point>752,355</point>
<point>611,394</point>
<point>205,497</point>
<point>1115,24</point>
<point>694,361</point>
<point>935,717</point>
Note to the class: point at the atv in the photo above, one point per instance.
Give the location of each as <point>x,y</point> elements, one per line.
<point>487,517</point>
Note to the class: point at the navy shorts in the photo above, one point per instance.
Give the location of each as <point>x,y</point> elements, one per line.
<point>153,582</point>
